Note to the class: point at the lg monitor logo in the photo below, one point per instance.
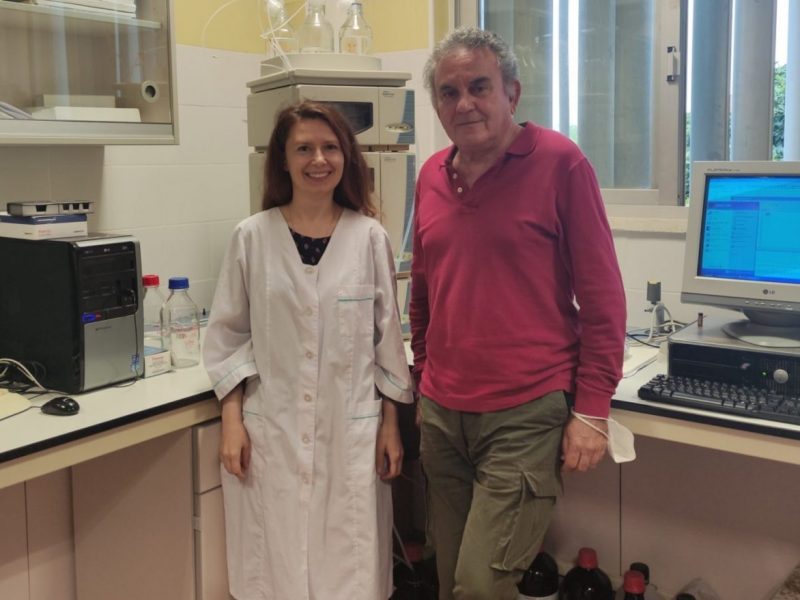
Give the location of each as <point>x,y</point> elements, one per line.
<point>768,292</point>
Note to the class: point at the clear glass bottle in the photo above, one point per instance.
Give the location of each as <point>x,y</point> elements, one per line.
<point>180,324</point>
<point>355,35</point>
<point>152,302</point>
<point>281,37</point>
<point>316,32</point>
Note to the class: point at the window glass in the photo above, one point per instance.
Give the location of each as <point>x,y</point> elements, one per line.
<point>646,87</point>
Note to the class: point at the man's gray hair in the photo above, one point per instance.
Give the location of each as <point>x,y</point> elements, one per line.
<point>471,38</point>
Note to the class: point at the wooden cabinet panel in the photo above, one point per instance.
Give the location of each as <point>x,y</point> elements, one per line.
<point>13,544</point>
<point>133,522</point>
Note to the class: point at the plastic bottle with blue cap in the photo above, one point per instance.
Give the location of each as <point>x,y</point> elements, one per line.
<point>181,324</point>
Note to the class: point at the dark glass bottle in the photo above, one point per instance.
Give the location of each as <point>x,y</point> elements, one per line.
<point>633,585</point>
<point>684,596</point>
<point>540,581</point>
<point>586,581</point>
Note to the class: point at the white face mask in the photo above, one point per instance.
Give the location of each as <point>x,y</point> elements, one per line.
<point>620,438</point>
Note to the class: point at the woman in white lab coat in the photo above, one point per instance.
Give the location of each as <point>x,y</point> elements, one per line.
<point>304,349</point>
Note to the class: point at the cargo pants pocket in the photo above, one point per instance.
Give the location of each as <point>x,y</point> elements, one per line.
<point>525,524</point>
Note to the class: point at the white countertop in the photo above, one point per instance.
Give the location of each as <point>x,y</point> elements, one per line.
<point>33,444</point>
<point>130,413</point>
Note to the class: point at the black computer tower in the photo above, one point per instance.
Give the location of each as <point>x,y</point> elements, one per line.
<point>70,309</point>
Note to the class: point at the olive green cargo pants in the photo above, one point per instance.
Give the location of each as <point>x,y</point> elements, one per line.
<point>492,482</point>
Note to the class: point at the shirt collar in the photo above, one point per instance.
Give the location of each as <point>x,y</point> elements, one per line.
<point>523,144</point>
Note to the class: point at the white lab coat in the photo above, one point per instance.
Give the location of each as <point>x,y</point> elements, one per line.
<point>311,520</point>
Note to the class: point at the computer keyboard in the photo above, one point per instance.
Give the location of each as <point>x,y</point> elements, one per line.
<point>745,401</point>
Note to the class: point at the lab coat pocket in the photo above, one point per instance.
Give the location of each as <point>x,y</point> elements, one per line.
<point>527,513</point>
<point>355,308</point>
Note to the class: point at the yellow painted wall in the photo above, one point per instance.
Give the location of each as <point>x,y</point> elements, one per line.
<point>236,24</point>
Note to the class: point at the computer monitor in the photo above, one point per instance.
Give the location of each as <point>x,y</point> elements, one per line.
<point>743,247</point>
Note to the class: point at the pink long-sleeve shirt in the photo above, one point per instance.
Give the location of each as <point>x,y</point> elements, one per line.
<point>497,271</point>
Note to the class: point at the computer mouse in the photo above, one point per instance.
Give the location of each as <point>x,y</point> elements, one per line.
<point>61,406</point>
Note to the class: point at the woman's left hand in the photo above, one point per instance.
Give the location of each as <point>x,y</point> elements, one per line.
<point>389,447</point>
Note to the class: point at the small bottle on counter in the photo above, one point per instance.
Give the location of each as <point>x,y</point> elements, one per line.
<point>181,325</point>
<point>152,302</point>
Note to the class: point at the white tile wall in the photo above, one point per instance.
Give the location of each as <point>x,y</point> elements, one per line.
<point>657,257</point>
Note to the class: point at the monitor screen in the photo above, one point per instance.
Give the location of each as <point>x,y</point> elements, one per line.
<point>743,242</point>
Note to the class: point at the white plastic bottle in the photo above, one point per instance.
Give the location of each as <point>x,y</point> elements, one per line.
<point>355,35</point>
<point>316,32</point>
<point>180,323</point>
<point>152,302</point>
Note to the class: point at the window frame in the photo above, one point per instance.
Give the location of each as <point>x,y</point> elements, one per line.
<point>668,137</point>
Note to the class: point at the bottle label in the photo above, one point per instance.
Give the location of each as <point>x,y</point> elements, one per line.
<point>353,45</point>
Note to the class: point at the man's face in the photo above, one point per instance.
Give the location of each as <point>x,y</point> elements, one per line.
<point>474,106</point>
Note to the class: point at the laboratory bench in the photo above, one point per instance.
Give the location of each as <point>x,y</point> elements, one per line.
<point>125,496</point>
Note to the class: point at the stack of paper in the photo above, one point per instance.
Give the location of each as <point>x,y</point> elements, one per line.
<point>44,227</point>
<point>119,7</point>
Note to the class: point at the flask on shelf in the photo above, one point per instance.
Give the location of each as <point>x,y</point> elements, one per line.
<point>316,32</point>
<point>152,302</point>
<point>180,324</point>
<point>633,585</point>
<point>355,35</point>
<point>540,581</point>
<point>586,581</point>
<point>650,590</point>
<point>281,38</point>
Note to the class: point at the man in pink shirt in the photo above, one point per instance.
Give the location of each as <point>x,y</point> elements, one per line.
<point>517,316</point>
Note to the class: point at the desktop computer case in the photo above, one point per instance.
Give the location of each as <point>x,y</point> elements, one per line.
<point>70,310</point>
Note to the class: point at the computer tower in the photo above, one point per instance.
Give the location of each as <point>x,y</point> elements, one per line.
<point>70,309</point>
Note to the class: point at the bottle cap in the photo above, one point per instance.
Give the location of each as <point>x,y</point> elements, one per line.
<point>633,582</point>
<point>150,280</point>
<point>587,558</point>
<point>642,568</point>
<point>178,283</point>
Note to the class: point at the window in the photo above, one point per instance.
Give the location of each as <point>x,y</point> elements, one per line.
<point>646,86</point>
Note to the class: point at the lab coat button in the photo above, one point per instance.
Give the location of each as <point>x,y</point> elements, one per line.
<point>309,311</point>
<point>306,439</point>
<point>307,397</point>
<point>309,354</point>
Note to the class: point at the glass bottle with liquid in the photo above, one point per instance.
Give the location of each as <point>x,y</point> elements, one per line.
<point>281,37</point>
<point>355,35</point>
<point>316,32</point>
<point>151,314</point>
<point>540,581</point>
<point>586,580</point>
<point>181,325</point>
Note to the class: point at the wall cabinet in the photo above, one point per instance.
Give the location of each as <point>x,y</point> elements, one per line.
<point>87,72</point>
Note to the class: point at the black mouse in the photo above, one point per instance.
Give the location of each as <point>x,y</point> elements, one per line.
<point>62,406</point>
